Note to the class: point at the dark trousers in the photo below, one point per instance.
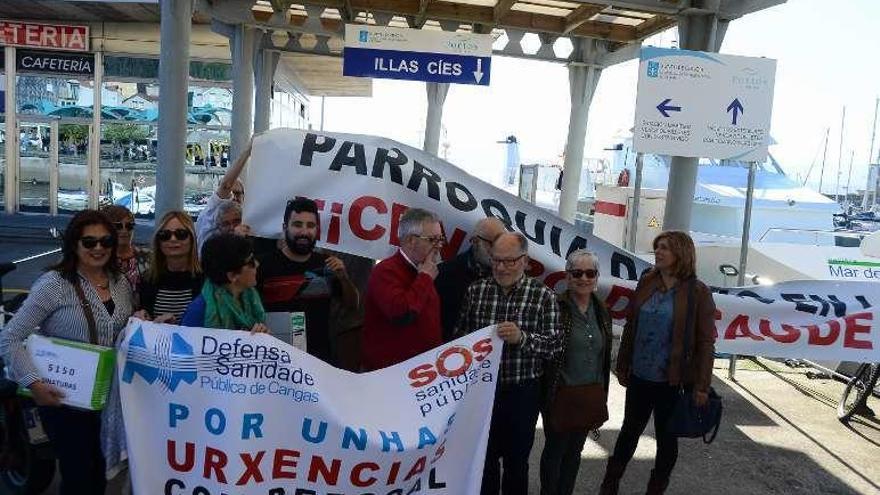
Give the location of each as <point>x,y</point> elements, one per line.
<point>76,441</point>
<point>560,461</point>
<point>643,398</point>
<point>511,436</point>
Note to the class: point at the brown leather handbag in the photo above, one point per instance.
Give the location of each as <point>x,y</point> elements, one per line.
<point>578,408</point>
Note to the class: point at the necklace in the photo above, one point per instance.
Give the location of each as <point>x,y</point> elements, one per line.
<point>103,286</point>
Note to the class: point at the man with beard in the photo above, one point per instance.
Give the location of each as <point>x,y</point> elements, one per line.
<point>458,273</point>
<point>298,280</point>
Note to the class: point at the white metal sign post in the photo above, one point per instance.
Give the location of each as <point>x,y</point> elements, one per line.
<point>703,105</point>
<point>706,105</point>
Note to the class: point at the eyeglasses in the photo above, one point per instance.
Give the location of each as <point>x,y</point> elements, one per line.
<point>590,273</point>
<point>129,226</point>
<point>90,242</point>
<point>507,262</point>
<point>434,240</point>
<point>250,261</point>
<point>166,234</point>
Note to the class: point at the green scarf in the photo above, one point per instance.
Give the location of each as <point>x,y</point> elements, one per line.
<point>222,311</point>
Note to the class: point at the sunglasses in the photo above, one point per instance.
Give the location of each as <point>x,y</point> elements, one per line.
<point>90,242</point>
<point>129,226</point>
<point>166,234</point>
<point>590,273</point>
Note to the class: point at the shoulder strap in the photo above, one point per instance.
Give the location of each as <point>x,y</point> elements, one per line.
<point>686,349</point>
<point>87,309</point>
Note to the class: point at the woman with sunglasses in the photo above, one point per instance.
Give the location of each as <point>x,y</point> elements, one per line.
<point>83,298</point>
<point>576,383</point>
<point>132,260</point>
<point>175,276</point>
<point>229,299</point>
<point>668,301</point>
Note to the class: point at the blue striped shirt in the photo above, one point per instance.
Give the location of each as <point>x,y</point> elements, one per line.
<point>53,309</point>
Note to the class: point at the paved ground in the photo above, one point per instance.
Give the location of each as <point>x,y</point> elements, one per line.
<point>780,434</point>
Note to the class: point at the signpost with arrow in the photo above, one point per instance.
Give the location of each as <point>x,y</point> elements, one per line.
<point>417,55</point>
<point>704,105</point>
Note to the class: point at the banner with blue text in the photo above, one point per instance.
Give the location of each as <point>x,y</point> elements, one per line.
<point>220,411</point>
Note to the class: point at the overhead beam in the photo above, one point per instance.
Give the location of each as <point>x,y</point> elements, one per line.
<point>501,9</point>
<point>581,15</point>
<point>469,14</point>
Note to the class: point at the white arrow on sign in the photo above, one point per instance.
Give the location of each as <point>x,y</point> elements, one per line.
<point>478,74</point>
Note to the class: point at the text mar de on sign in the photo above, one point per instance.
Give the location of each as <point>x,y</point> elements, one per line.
<point>37,35</point>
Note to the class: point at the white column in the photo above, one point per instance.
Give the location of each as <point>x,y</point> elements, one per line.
<point>94,162</point>
<point>10,188</point>
<point>242,43</point>
<point>583,77</point>
<point>266,63</point>
<point>701,32</point>
<point>53,167</point>
<point>175,29</point>
<point>436,98</point>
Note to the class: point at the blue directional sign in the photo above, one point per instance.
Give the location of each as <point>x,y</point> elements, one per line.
<point>416,55</point>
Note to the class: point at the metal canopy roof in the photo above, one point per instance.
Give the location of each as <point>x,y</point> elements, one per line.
<point>317,26</point>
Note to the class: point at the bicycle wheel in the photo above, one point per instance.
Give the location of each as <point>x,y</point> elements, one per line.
<point>855,393</point>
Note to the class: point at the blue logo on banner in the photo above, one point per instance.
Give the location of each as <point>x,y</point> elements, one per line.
<point>170,362</point>
<point>653,69</point>
<point>363,36</point>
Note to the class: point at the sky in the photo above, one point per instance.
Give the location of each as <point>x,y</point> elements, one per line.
<point>826,56</point>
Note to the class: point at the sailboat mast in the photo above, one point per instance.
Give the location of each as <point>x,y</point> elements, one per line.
<point>852,155</point>
<point>840,157</point>
<point>824,154</point>
<point>871,153</point>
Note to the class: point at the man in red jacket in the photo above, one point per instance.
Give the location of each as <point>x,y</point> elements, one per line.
<point>402,308</point>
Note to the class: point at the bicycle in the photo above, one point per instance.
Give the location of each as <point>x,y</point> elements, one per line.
<point>858,389</point>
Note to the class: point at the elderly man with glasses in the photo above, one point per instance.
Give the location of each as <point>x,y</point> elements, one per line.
<point>458,273</point>
<point>401,306</point>
<point>527,319</point>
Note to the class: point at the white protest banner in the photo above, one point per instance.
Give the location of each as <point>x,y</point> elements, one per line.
<point>219,412</point>
<point>803,320</point>
<point>363,184</point>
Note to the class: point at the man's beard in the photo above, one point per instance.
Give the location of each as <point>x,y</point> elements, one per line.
<point>296,245</point>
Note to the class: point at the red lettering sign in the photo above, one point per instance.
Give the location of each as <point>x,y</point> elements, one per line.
<point>51,36</point>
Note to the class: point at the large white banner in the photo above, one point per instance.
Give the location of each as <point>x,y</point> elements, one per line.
<point>222,412</point>
<point>363,184</point>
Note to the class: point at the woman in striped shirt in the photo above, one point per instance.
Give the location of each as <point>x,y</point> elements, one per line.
<point>85,285</point>
<point>175,276</point>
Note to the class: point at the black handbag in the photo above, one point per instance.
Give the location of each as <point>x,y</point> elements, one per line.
<point>687,419</point>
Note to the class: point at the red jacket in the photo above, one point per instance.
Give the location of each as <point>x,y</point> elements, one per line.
<point>402,314</point>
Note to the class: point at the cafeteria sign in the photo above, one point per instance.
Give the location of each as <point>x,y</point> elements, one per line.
<point>38,35</point>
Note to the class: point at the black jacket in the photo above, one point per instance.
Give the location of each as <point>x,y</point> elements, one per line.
<point>452,281</point>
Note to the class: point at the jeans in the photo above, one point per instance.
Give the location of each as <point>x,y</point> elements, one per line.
<point>560,461</point>
<point>511,436</point>
<point>643,398</point>
<point>76,441</point>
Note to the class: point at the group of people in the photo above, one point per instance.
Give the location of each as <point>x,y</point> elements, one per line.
<point>556,360</point>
